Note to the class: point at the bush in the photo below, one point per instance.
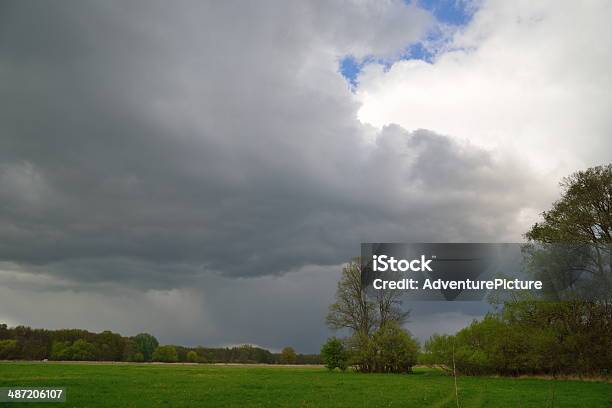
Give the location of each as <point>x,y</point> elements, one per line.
<point>165,354</point>
<point>529,338</point>
<point>396,350</point>
<point>334,354</point>
<point>390,349</point>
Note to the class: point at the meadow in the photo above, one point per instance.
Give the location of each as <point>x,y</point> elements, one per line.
<point>180,385</point>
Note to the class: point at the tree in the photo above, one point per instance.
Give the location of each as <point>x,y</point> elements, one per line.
<point>8,349</point>
<point>374,321</point>
<point>288,356</point>
<point>165,354</point>
<point>130,351</point>
<point>581,221</point>
<point>584,212</point>
<point>146,345</point>
<point>192,356</point>
<point>60,350</point>
<point>334,354</point>
<point>352,308</point>
<point>355,310</point>
<point>575,238</point>
<point>82,350</point>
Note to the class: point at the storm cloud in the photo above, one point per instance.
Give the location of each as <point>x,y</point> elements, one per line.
<point>181,148</point>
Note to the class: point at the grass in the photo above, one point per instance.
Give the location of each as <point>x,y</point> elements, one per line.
<point>153,385</point>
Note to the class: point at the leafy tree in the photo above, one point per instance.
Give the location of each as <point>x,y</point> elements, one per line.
<point>8,349</point>
<point>146,345</point>
<point>334,354</point>
<point>82,350</point>
<point>60,350</point>
<point>109,346</point>
<point>584,212</point>
<point>192,357</point>
<point>288,356</point>
<point>165,354</point>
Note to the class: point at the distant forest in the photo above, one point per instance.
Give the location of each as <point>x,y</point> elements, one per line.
<point>25,343</point>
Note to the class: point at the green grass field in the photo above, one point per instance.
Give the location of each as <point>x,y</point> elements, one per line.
<point>151,385</point>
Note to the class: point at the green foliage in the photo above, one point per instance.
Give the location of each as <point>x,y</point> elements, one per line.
<point>8,349</point>
<point>80,350</point>
<point>192,357</point>
<point>146,345</point>
<point>137,357</point>
<point>288,356</point>
<point>390,349</point>
<point>584,212</point>
<point>39,344</point>
<point>529,337</point>
<point>165,354</point>
<point>334,354</point>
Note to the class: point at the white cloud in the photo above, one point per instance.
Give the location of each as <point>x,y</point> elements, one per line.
<point>528,78</point>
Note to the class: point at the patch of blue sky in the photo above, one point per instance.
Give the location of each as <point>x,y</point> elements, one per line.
<point>453,13</point>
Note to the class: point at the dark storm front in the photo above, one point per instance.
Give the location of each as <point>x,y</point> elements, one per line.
<point>473,272</point>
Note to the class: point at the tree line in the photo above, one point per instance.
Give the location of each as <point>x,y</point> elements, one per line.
<point>25,343</point>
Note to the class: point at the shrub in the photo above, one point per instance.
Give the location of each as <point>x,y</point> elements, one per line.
<point>390,349</point>
<point>396,350</point>
<point>334,354</point>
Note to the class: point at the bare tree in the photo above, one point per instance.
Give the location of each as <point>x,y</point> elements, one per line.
<point>358,312</point>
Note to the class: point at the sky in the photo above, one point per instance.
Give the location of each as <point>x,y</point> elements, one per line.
<point>202,170</point>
